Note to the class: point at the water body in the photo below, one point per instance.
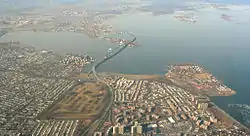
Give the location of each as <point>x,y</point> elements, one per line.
<point>63,42</point>
<point>222,47</point>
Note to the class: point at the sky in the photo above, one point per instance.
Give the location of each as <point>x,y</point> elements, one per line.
<point>231,1</point>
<point>156,2</point>
<point>8,5</point>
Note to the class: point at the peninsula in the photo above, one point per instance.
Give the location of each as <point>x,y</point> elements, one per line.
<point>193,75</point>
<point>47,94</point>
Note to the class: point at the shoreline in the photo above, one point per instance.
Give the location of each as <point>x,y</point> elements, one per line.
<point>156,76</point>
<point>199,78</point>
<point>239,124</point>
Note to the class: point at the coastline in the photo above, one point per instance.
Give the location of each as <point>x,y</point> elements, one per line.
<point>165,39</point>
<point>230,117</point>
<point>154,76</point>
<point>134,76</point>
<point>198,78</point>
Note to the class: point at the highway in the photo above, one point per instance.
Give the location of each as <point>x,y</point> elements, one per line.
<point>93,70</point>
<point>97,77</point>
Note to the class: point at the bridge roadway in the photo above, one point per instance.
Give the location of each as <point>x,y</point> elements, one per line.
<point>93,70</point>
<point>2,33</point>
<point>101,120</point>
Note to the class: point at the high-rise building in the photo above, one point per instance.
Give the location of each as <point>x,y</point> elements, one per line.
<point>196,102</point>
<point>147,117</point>
<point>192,98</point>
<point>115,130</point>
<point>133,130</point>
<point>121,129</point>
<point>202,103</point>
<point>202,106</point>
<point>139,129</point>
<point>136,129</point>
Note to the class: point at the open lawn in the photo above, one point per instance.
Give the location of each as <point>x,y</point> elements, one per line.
<point>86,101</point>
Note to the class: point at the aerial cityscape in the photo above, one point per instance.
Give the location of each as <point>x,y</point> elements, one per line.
<point>124,67</point>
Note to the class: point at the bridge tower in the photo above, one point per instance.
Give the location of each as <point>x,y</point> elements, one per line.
<point>109,52</point>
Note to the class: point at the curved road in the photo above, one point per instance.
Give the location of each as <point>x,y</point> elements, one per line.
<point>97,77</point>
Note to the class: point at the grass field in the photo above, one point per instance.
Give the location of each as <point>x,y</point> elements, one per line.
<point>86,101</point>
